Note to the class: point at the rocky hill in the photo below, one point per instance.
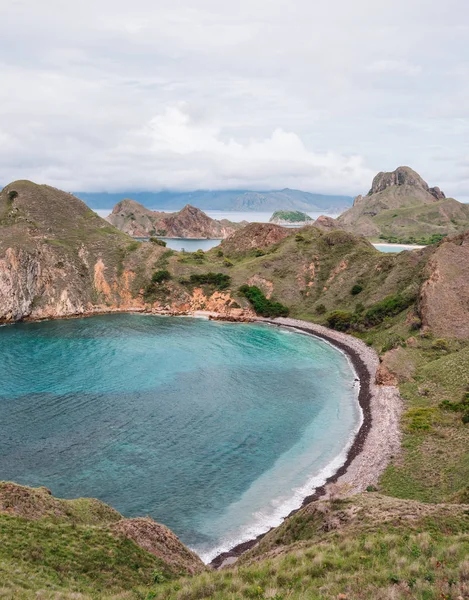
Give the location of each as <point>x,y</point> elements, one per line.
<point>290,217</point>
<point>401,205</point>
<point>190,222</point>
<point>58,258</point>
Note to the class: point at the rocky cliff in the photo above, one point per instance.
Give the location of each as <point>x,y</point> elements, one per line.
<point>401,204</point>
<point>190,222</point>
<point>58,258</point>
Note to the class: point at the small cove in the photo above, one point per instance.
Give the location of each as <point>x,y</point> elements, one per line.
<point>217,430</point>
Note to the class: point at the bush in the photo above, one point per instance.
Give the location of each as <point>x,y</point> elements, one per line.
<point>320,309</point>
<point>340,320</point>
<point>299,237</point>
<point>357,288</point>
<point>262,305</point>
<point>392,342</point>
<point>465,417</point>
<point>259,252</point>
<point>160,276</point>
<point>219,280</point>
<point>440,344</point>
<point>388,307</point>
<point>12,195</point>
<point>158,242</point>
<point>227,262</point>
<point>219,253</point>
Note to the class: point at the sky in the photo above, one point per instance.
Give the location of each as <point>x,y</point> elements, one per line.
<point>113,95</point>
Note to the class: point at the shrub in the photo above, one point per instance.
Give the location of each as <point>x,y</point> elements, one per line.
<point>415,324</point>
<point>340,320</point>
<point>392,342</point>
<point>199,255</point>
<point>359,308</point>
<point>219,280</point>
<point>320,309</point>
<point>465,417</point>
<point>262,305</point>
<point>160,276</point>
<point>357,288</point>
<point>219,253</point>
<point>440,344</point>
<point>158,242</point>
<point>133,246</point>
<point>227,262</point>
<point>259,252</point>
<point>12,195</point>
<point>388,307</point>
<point>299,237</point>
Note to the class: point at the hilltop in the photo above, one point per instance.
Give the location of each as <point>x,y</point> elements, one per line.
<point>243,200</point>
<point>400,206</point>
<point>190,222</point>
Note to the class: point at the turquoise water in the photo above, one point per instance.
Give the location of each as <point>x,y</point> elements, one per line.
<point>395,247</point>
<point>216,430</point>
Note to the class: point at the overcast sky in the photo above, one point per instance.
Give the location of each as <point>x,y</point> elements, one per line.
<point>319,95</point>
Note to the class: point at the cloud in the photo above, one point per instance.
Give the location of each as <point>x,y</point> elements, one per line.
<point>108,95</point>
<point>394,66</point>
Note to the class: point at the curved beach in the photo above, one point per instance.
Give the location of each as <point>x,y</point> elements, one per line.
<point>378,438</point>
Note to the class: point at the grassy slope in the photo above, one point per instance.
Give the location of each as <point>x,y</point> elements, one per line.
<point>67,548</point>
<point>365,547</point>
<point>304,271</point>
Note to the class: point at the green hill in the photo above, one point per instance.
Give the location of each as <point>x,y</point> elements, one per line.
<point>408,539</point>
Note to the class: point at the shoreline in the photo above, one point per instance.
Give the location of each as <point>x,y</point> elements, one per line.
<point>375,442</point>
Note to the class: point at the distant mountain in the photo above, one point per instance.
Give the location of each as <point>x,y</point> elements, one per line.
<point>238,200</point>
<point>400,205</point>
<point>190,222</point>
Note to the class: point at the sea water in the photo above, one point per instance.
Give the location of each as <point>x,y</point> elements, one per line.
<point>216,430</point>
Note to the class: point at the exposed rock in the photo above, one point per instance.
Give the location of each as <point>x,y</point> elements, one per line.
<point>325,223</point>
<point>255,235</point>
<point>161,542</point>
<point>190,222</point>
<point>444,297</point>
<point>400,177</point>
<point>400,204</point>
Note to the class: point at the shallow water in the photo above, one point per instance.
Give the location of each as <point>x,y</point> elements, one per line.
<point>217,430</point>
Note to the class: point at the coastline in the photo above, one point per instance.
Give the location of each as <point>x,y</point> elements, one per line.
<point>377,440</point>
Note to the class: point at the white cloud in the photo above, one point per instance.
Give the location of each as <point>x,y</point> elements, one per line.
<point>394,66</point>
<point>109,94</point>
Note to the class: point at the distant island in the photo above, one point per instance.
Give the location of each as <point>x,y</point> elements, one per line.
<point>290,217</point>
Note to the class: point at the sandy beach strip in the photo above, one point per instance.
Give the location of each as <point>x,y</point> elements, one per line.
<point>377,440</point>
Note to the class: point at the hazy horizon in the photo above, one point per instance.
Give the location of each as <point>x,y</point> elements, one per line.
<point>258,95</point>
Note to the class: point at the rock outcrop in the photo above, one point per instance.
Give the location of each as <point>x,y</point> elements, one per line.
<point>444,296</point>
<point>255,235</point>
<point>190,222</point>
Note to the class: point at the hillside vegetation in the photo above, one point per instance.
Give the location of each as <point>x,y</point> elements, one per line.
<point>408,538</point>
